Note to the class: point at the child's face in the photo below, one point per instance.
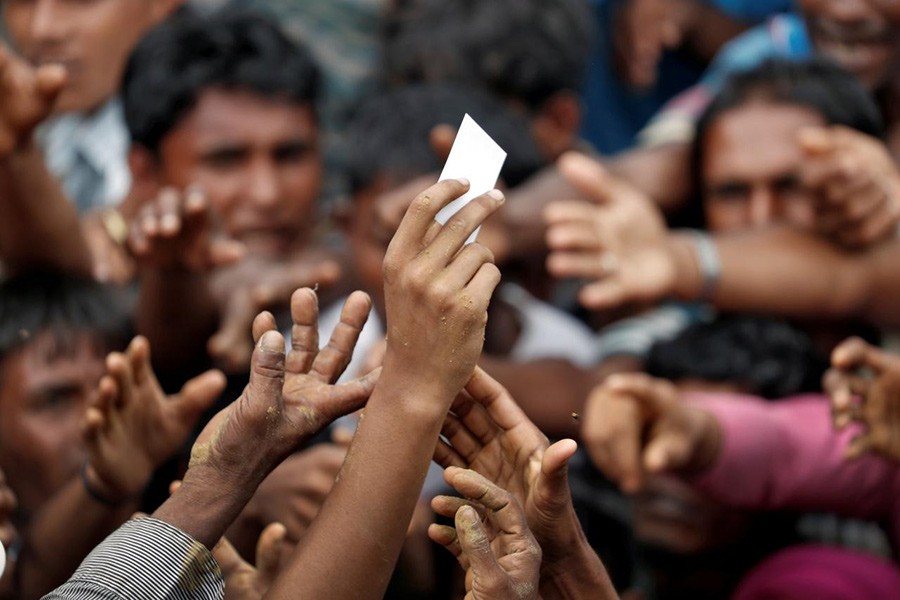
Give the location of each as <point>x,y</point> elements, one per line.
<point>257,160</point>
<point>863,36</point>
<point>751,168</point>
<point>91,38</point>
<point>43,395</point>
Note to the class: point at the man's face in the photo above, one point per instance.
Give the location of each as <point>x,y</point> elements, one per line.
<point>91,38</point>
<point>863,36</point>
<point>751,167</point>
<point>43,396</point>
<point>257,160</point>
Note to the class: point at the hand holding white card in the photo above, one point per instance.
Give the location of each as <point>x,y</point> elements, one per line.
<point>476,157</point>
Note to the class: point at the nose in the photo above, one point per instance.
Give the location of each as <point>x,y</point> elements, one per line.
<point>264,189</point>
<point>762,207</point>
<point>48,24</point>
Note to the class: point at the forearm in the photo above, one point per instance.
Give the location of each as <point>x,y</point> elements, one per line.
<point>798,274</point>
<point>361,528</point>
<point>176,313</point>
<point>62,534</point>
<point>40,227</point>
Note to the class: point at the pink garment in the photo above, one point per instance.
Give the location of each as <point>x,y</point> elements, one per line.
<point>787,455</point>
<point>821,573</point>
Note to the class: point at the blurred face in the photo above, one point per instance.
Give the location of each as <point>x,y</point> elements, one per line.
<point>751,167</point>
<point>375,214</point>
<point>863,36</point>
<point>43,397</point>
<point>258,161</point>
<point>91,38</point>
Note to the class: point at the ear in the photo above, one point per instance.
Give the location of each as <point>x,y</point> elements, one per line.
<point>146,174</point>
<point>556,124</point>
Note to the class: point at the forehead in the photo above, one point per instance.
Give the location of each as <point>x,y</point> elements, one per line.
<point>53,357</point>
<point>756,139</point>
<point>236,116</point>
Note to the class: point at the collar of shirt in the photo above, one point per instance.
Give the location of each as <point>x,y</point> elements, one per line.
<point>101,139</point>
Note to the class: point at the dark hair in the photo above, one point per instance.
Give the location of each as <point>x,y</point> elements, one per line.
<point>817,84</point>
<point>765,356</point>
<point>67,307</point>
<point>389,135</point>
<point>527,50</point>
<point>190,53</point>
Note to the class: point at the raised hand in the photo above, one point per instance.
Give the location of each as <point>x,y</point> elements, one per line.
<point>864,386</point>
<point>437,289</point>
<point>27,97</point>
<point>132,427</point>
<point>243,290</point>
<point>644,30</point>
<point>618,241</point>
<point>244,581</point>
<point>487,432</point>
<point>635,424</point>
<point>857,182</point>
<point>301,398</point>
<point>502,563</point>
<point>175,231</point>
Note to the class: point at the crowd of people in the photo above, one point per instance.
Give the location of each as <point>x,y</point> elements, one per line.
<point>239,357</point>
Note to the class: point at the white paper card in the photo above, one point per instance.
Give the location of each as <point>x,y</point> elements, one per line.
<point>476,157</point>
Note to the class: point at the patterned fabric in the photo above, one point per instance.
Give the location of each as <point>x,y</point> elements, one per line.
<point>89,155</point>
<point>784,36</point>
<point>145,559</point>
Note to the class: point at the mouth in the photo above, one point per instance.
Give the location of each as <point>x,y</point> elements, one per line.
<point>858,47</point>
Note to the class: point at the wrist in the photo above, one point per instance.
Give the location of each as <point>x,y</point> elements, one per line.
<point>688,283</point>
<point>412,391</point>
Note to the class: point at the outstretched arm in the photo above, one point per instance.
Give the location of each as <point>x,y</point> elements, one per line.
<point>436,296</point>
<point>40,227</point>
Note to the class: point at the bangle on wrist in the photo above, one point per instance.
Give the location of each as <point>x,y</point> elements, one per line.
<point>707,257</point>
<point>94,493</point>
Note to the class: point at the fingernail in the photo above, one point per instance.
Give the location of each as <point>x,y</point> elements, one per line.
<point>496,195</point>
<point>467,513</point>
<point>271,341</point>
<point>463,181</point>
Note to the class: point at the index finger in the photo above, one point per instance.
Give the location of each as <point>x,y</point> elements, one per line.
<point>500,406</point>
<point>855,353</point>
<point>407,242</point>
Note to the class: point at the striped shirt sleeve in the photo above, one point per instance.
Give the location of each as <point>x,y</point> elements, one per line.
<point>145,559</point>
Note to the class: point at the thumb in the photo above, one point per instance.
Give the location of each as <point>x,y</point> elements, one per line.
<point>228,558</point>
<point>268,552</point>
<point>200,393</point>
<point>50,81</point>
<point>816,140</point>
<point>588,176</point>
<point>552,486</point>
<point>442,138</point>
<point>667,452</point>
<point>267,370</point>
